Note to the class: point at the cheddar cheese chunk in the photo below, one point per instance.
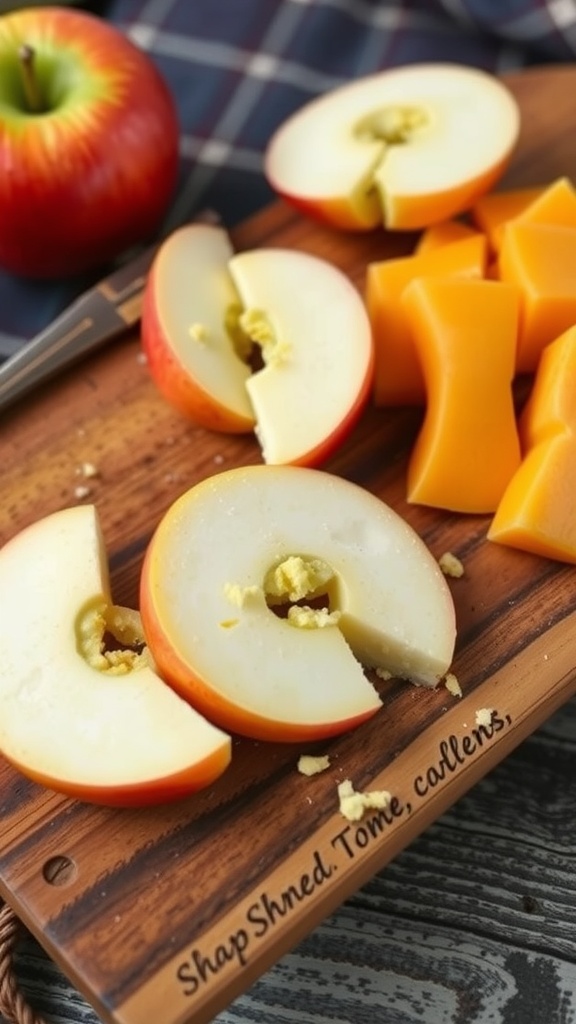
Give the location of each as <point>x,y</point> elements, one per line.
<point>398,378</point>
<point>537,510</point>
<point>491,212</point>
<point>468,446</point>
<point>540,259</point>
<point>443,233</point>
<point>555,205</point>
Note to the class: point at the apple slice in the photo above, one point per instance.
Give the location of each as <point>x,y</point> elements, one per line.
<point>189,321</point>
<point>406,147</point>
<point>205,309</point>
<point>239,546</point>
<point>95,724</point>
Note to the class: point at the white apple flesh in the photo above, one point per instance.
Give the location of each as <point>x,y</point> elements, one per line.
<point>207,603</point>
<point>318,355</point>
<point>190,308</point>
<point>405,147</point>
<point>203,305</point>
<point>104,729</point>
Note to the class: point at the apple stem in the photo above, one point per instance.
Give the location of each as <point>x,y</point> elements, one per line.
<point>32,92</point>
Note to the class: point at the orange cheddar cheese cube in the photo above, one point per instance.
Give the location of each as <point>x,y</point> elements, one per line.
<point>540,259</point>
<point>443,233</point>
<point>537,510</point>
<point>494,210</point>
<point>555,205</point>
<point>397,375</point>
<point>468,446</point>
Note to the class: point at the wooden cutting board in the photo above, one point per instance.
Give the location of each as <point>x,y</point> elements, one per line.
<point>168,914</point>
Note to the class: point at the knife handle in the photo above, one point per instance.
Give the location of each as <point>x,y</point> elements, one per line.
<point>96,317</point>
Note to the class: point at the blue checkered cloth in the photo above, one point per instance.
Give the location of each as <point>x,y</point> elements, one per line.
<point>237,68</point>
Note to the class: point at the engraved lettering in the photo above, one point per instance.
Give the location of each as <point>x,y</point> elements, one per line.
<point>201,967</point>
<point>454,752</point>
<point>268,910</point>
<point>351,841</point>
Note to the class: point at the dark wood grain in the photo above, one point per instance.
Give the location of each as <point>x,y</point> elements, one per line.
<point>263,856</point>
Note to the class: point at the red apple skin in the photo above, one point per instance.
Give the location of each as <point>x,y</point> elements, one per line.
<point>410,213</point>
<point>146,794</point>
<point>220,711</point>
<point>85,181</point>
<point>174,381</point>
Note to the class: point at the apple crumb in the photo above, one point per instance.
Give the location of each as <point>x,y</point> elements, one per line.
<point>452,685</point>
<point>353,804</point>
<point>451,565</point>
<point>309,765</point>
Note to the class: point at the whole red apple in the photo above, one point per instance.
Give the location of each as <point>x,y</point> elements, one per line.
<point>88,142</point>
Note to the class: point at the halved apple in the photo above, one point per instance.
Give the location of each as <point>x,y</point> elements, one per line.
<point>241,545</point>
<point>206,309</point>
<point>95,723</point>
<point>406,147</point>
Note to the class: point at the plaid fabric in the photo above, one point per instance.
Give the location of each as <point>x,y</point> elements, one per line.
<point>237,68</point>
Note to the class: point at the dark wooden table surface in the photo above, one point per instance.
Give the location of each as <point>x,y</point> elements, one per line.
<point>475,921</point>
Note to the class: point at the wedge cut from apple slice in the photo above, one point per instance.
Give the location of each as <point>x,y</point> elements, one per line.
<point>406,147</point>
<point>94,723</point>
<point>356,585</point>
<point>189,326</point>
<point>206,310</point>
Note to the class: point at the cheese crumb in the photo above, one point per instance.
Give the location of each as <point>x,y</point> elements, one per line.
<point>310,765</point>
<point>312,618</point>
<point>256,325</point>
<point>198,332</point>
<point>353,804</point>
<point>452,685</point>
<point>238,595</point>
<point>297,577</point>
<point>125,625</point>
<point>87,470</point>
<point>451,565</point>
<point>383,673</point>
<point>81,492</point>
<point>484,716</point>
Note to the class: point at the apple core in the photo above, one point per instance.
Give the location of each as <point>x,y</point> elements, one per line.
<point>392,125</point>
<point>300,578</point>
<point>100,627</point>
